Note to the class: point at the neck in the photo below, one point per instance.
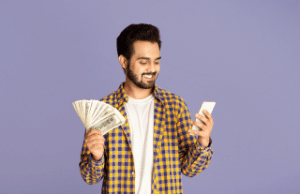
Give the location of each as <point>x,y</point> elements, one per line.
<point>135,92</point>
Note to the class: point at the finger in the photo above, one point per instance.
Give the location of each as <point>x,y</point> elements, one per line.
<point>87,135</point>
<point>92,132</point>
<point>199,133</point>
<point>202,118</point>
<point>200,125</point>
<point>96,147</point>
<point>208,115</point>
<point>99,132</point>
<point>94,137</point>
<point>196,132</point>
<point>96,142</point>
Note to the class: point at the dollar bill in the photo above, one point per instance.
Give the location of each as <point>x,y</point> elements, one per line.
<point>86,110</point>
<point>98,107</point>
<point>95,114</point>
<point>77,107</point>
<point>94,106</point>
<point>110,122</point>
<point>107,110</point>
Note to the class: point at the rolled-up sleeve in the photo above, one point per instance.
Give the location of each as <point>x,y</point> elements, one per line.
<point>194,157</point>
<point>91,171</point>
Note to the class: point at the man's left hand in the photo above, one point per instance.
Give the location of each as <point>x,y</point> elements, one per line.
<point>205,127</point>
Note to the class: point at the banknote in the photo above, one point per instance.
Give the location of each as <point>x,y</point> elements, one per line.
<point>77,107</point>
<point>87,105</point>
<point>96,111</point>
<point>95,114</point>
<point>110,122</point>
<point>107,110</point>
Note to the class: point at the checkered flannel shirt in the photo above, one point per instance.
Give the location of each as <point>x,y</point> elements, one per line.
<point>175,151</point>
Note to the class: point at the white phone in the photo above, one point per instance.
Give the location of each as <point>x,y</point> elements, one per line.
<point>206,105</point>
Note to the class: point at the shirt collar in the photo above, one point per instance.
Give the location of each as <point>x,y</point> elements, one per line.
<point>123,97</point>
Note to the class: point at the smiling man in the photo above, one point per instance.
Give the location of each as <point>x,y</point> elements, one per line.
<point>151,151</point>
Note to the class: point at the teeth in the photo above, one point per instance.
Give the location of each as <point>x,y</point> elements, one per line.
<point>148,76</point>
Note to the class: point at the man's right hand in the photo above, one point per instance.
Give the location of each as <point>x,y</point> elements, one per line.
<point>95,142</point>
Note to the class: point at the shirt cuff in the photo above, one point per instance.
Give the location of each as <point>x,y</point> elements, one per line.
<point>201,147</point>
<point>95,162</point>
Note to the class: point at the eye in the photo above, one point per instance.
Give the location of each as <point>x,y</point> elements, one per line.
<point>143,62</point>
<point>157,63</point>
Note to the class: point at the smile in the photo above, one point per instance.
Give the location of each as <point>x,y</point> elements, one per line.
<point>148,76</point>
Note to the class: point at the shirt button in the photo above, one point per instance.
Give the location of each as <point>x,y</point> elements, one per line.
<point>132,173</point>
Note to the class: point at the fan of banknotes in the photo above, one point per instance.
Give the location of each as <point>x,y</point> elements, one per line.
<point>99,115</point>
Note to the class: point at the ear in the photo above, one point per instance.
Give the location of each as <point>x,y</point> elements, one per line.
<point>123,61</point>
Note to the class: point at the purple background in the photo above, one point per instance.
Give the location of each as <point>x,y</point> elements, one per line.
<point>242,54</point>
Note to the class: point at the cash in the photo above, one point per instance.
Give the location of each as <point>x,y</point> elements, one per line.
<point>95,114</point>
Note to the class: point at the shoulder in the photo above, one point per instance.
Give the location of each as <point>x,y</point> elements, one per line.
<point>171,99</point>
<point>110,99</point>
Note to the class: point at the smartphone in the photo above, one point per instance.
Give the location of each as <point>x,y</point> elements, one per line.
<point>206,105</point>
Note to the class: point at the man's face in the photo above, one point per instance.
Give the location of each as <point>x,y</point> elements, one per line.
<point>145,60</point>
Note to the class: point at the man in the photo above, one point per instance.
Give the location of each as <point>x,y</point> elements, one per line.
<point>150,151</point>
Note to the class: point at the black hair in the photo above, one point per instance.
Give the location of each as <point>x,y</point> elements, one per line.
<point>134,32</point>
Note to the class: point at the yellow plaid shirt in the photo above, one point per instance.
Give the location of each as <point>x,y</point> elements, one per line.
<point>175,151</point>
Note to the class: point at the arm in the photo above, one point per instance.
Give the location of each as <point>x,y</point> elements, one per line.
<point>194,157</point>
<point>91,171</point>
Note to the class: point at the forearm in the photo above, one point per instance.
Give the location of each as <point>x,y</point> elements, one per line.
<point>195,159</point>
<point>91,170</point>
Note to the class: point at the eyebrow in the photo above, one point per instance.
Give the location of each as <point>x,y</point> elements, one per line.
<point>148,58</point>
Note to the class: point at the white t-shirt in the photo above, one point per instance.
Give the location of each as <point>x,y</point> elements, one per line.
<point>140,114</point>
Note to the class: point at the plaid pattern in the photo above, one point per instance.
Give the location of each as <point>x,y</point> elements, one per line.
<point>175,151</point>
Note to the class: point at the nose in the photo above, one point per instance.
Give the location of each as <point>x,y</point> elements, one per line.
<point>152,67</point>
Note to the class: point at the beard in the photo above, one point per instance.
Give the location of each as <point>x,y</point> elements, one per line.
<point>134,78</point>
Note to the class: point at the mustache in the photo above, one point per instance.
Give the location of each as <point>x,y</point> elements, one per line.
<point>154,73</point>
